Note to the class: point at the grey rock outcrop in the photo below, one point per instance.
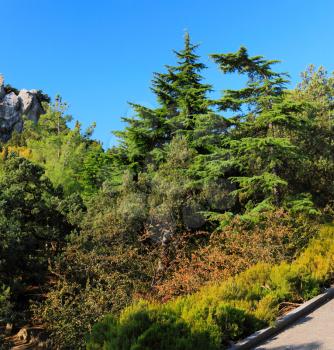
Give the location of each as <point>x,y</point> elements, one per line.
<point>14,106</point>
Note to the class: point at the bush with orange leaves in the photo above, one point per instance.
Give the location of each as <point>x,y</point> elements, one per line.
<point>279,237</point>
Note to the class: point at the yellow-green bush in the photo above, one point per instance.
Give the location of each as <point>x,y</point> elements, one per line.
<point>145,326</point>
<point>222,312</point>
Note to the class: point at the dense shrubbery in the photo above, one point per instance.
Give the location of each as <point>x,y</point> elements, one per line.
<point>224,311</point>
<point>278,237</point>
<point>32,229</point>
<point>99,270</point>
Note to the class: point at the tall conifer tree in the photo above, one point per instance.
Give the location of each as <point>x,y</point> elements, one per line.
<point>259,150</point>
<point>181,96</point>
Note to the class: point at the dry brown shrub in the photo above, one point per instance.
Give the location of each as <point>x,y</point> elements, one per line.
<point>231,251</point>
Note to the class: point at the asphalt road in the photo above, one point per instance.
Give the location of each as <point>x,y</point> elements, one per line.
<point>312,332</point>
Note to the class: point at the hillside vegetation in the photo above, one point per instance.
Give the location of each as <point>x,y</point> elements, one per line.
<point>223,311</point>
<point>192,231</point>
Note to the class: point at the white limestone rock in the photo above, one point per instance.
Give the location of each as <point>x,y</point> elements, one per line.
<point>30,106</point>
<point>13,107</point>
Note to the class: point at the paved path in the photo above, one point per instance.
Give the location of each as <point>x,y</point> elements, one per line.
<point>312,332</point>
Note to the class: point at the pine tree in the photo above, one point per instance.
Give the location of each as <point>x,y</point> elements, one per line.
<point>259,148</point>
<point>264,86</point>
<point>182,98</point>
<point>181,90</point>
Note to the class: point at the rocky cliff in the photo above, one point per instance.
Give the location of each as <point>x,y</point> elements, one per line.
<point>14,105</point>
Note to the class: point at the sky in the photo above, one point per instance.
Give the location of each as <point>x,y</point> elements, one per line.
<point>99,55</point>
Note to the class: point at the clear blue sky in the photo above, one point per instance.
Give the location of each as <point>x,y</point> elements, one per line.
<point>100,54</point>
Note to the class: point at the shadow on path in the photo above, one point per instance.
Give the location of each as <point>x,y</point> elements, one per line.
<point>306,346</point>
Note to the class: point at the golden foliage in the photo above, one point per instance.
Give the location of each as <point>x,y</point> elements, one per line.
<point>20,151</point>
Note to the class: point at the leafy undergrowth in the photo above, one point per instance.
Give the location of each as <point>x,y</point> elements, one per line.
<point>222,312</point>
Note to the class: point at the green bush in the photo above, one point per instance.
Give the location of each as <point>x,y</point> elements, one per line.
<point>221,312</point>
<point>6,307</point>
<point>144,326</point>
